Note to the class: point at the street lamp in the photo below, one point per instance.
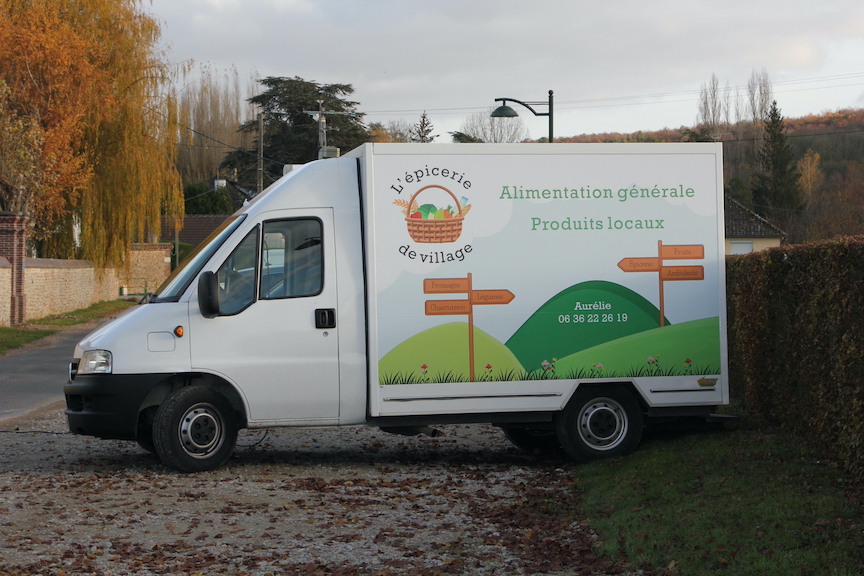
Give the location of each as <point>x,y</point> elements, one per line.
<point>505,111</point>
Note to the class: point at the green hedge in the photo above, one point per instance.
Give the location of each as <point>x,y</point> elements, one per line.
<point>796,340</point>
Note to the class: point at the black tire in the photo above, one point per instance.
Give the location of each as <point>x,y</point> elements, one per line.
<point>533,440</point>
<point>600,422</point>
<point>195,430</point>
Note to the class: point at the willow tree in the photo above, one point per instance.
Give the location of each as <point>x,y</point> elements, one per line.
<point>88,73</point>
<point>213,106</point>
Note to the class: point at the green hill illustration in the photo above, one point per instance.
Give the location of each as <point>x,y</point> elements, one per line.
<point>581,317</point>
<point>689,348</point>
<point>440,354</point>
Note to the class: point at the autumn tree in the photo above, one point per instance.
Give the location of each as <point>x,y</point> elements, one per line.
<point>85,76</point>
<point>21,140</point>
<point>775,183</point>
<point>51,78</point>
<point>810,181</point>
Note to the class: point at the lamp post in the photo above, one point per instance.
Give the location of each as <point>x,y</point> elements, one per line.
<point>505,111</point>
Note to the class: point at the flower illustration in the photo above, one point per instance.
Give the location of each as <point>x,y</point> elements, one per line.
<point>549,366</point>
<point>654,363</point>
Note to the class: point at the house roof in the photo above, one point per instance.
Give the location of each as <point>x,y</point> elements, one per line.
<point>744,223</point>
<point>196,227</point>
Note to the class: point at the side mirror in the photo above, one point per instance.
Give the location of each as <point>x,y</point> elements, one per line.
<point>208,294</point>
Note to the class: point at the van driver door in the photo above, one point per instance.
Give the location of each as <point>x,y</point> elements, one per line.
<point>276,336</point>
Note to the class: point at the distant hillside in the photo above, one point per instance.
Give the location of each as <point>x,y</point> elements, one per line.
<point>832,201</point>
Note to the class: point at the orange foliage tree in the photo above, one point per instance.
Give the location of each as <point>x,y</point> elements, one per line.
<point>83,79</point>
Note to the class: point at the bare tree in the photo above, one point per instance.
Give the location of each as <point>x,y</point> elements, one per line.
<point>716,107</point>
<point>392,131</point>
<point>481,127</point>
<point>760,95</point>
<point>212,109</point>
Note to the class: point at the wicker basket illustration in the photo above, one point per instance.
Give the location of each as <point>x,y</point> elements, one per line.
<point>434,231</point>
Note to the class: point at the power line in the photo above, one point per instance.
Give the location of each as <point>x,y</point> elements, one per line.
<point>646,99</point>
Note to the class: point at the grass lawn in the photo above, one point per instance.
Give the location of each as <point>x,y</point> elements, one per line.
<point>750,499</point>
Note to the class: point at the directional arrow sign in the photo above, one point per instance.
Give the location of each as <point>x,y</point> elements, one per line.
<point>491,296</point>
<point>462,307</point>
<point>639,264</point>
<point>668,273</point>
<point>672,273</point>
<point>447,307</point>
<point>447,285</point>
<point>682,252</point>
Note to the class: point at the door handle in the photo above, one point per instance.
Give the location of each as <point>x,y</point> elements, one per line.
<point>325,318</point>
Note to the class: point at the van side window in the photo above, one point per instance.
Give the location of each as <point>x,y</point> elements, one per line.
<point>236,276</point>
<point>292,262</point>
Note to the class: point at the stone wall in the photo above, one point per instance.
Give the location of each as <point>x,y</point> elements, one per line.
<point>57,286</point>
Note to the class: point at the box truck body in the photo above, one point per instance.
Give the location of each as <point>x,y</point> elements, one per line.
<point>568,293</point>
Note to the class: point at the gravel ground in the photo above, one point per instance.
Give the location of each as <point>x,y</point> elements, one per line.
<point>335,501</point>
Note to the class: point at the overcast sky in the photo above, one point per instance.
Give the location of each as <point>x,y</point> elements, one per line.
<point>615,65</point>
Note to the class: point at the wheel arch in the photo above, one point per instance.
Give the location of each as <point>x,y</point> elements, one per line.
<point>627,385</point>
<point>601,420</point>
<point>159,393</point>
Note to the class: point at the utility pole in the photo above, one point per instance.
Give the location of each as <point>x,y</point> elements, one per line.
<point>260,152</point>
<point>325,151</point>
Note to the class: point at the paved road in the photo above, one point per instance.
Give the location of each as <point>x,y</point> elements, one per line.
<point>34,376</point>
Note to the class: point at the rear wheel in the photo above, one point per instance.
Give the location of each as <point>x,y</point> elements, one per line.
<point>195,430</point>
<point>600,422</point>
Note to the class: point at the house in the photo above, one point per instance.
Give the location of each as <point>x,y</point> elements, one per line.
<point>746,231</point>
<point>196,227</point>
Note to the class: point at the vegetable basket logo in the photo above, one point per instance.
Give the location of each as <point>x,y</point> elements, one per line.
<point>432,224</point>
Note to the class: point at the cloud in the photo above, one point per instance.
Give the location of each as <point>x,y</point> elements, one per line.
<point>454,57</point>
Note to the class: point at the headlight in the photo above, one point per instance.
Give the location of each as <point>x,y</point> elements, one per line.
<point>95,362</point>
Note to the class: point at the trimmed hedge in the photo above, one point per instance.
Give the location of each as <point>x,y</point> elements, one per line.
<point>796,341</point>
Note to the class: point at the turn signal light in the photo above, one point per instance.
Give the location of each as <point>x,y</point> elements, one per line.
<point>178,331</point>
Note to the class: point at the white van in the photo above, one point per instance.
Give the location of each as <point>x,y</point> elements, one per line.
<point>567,293</point>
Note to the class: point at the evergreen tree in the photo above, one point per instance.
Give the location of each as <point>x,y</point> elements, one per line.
<point>422,132</point>
<point>291,132</point>
<point>775,183</point>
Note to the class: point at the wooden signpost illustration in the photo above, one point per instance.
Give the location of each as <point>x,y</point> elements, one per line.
<point>668,273</point>
<point>462,307</point>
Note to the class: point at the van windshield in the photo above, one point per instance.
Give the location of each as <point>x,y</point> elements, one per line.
<point>174,286</point>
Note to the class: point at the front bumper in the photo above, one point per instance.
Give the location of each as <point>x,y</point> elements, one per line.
<point>106,405</point>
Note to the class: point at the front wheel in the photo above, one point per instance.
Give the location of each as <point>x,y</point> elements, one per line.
<point>600,422</point>
<point>195,430</point>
